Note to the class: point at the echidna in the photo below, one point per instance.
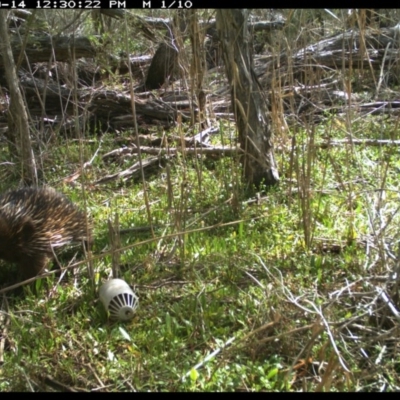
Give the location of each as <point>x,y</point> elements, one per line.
<point>34,221</point>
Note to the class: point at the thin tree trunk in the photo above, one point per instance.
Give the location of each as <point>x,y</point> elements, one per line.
<point>252,118</point>
<point>197,66</point>
<point>18,128</point>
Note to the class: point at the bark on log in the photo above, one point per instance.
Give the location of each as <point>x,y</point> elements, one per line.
<point>40,49</point>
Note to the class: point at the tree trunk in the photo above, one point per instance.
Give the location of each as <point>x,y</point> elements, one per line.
<point>18,128</point>
<point>198,65</point>
<point>252,118</point>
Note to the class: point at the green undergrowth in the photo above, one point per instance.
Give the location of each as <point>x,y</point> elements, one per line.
<point>238,291</point>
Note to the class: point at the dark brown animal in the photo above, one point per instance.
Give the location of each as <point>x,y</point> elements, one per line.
<point>33,222</point>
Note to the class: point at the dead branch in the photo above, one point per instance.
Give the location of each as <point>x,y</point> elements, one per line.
<point>358,142</point>
<point>40,49</point>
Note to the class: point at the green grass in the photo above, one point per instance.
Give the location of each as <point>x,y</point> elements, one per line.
<point>289,278</point>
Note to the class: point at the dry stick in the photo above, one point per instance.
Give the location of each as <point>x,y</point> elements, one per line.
<point>22,54</point>
<point>316,331</point>
<point>233,150</point>
<point>381,74</point>
<point>209,357</point>
<point>330,335</point>
<point>114,236</point>
<point>388,302</point>
<point>100,256</point>
<point>4,321</point>
<point>65,27</point>
<point>316,310</point>
<point>228,151</point>
<point>273,338</point>
<point>50,381</point>
<point>366,142</point>
<point>230,341</point>
<point>81,158</point>
<point>28,381</point>
<point>132,94</point>
<point>175,150</point>
<point>181,212</point>
<point>268,339</point>
<point>102,386</point>
<point>326,381</point>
